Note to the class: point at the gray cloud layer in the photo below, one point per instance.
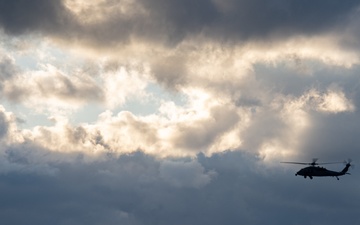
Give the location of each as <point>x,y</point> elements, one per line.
<point>133,189</point>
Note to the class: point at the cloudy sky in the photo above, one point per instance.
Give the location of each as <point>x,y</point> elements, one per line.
<point>178,111</point>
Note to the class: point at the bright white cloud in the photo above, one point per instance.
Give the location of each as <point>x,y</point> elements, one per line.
<point>120,85</point>
<point>335,101</point>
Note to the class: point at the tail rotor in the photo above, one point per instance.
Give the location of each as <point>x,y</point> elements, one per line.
<point>347,166</point>
<point>348,163</point>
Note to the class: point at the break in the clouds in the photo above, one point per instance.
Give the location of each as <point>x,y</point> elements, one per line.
<point>177,112</point>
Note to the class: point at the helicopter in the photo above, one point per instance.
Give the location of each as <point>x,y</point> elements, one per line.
<point>316,171</point>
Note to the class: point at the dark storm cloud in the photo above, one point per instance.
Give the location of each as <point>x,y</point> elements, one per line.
<point>182,18</point>
<point>248,18</point>
<point>132,189</point>
<point>21,16</point>
<point>172,21</point>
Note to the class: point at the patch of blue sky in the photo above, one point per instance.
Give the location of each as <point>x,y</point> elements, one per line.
<point>61,58</point>
<point>159,92</point>
<point>148,105</point>
<point>46,53</point>
<point>151,104</point>
<point>26,62</point>
<point>26,117</point>
<point>89,113</point>
<point>24,52</point>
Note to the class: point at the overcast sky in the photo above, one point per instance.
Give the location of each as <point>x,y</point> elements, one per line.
<point>178,111</point>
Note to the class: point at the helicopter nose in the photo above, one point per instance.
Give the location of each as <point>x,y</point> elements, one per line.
<point>300,172</point>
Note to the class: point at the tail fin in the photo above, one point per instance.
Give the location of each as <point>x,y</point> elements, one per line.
<point>344,171</point>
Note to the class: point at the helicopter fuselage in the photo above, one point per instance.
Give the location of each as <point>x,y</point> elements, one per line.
<point>317,171</point>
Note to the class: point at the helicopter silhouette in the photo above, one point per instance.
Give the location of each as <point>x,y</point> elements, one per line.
<point>317,171</point>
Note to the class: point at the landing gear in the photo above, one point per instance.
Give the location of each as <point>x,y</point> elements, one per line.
<point>337,178</point>
<point>311,177</point>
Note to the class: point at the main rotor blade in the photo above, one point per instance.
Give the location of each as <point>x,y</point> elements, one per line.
<point>328,163</point>
<point>297,163</point>
<point>312,164</point>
